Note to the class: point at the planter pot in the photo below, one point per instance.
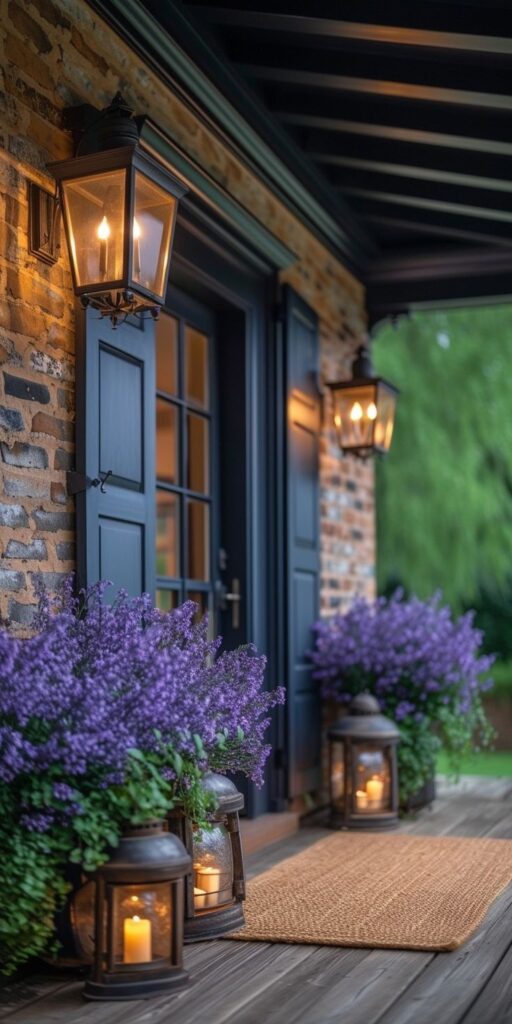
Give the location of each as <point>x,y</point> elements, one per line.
<point>422,797</point>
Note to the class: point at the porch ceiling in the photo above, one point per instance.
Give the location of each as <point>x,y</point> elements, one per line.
<point>403,113</point>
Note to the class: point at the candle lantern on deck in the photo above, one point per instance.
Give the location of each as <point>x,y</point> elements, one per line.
<point>138,937</point>
<point>216,887</point>
<point>363,767</point>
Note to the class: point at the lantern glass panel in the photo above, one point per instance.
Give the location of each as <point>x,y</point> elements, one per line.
<point>153,221</point>
<point>355,415</point>
<point>213,868</point>
<point>142,916</point>
<point>386,404</point>
<point>372,778</point>
<point>338,774</point>
<point>95,208</point>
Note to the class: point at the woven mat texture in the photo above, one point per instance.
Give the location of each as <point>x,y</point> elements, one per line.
<point>402,892</point>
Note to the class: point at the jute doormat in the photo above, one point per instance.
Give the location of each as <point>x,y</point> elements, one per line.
<point>403,892</point>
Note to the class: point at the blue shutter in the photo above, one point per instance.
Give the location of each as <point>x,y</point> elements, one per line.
<point>116,431</point>
<point>302,549</point>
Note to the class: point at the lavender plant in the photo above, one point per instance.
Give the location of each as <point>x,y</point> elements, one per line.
<point>424,668</point>
<point>109,714</point>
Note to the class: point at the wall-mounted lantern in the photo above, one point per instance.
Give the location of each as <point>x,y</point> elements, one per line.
<point>119,210</point>
<point>364,409</point>
<point>138,920</point>
<point>216,887</point>
<point>363,767</point>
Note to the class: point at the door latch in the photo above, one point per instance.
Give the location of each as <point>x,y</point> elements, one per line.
<point>77,482</point>
<point>233,597</point>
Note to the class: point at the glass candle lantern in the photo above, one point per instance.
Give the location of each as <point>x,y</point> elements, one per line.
<point>139,906</point>
<point>364,409</point>
<point>363,767</point>
<point>119,209</point>
<point>215,888</point>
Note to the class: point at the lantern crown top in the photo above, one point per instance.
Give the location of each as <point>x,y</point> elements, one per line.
<point>364,704</point>
<point>362,367</point>
<point>225,792</point>
<point>114,128</point>
<point>147,853</point>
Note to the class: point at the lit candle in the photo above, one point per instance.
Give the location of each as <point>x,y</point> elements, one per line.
<point>208,879</point>
<point>361,800</point>
<point>200,899</point>
<point>136,248</point>
<point>375,791</point>
<point>103,233</point>
<point>137,940</point>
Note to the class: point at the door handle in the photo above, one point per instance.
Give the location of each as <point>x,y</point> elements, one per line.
<point>232,597</point>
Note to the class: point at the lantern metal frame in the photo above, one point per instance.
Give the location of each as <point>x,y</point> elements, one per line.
<point>147,856</point>
<point>363,724</point>
<point>108,141</point>
<point>363,377</point>
<point>212,922</point>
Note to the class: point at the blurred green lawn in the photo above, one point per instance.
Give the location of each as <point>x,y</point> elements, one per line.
<point>487,763</point>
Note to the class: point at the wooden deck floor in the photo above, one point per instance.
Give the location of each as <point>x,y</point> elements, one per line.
<point>253,983</point>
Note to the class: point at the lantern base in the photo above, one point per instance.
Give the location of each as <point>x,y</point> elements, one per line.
<point>143,988</point>
<point>337,821</point>
<point>214,924</point>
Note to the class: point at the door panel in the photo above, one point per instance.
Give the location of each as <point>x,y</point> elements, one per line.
<point>115,432</point>
<point>302,531</point>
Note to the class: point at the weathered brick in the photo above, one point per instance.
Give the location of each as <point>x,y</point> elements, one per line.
<point>61,369</point>
<point>63,459</point>
<point>27,287</point>
<point>27,456</point>
<point>91,56</point>
<point>12,579</point>
<point>58,493</point>
<point>11,419</point>
<point>50,580</point>
<point>44,423</point>
<point>26,487</point>
<point>13,516</point>
<point>29,390</point>
<point>29,28</point>
<point>22,613</point>
<point>35,550</point>
<point>51,13</point>
<point>66,550</point>
<point>51,522</point>
<point>66,399</point>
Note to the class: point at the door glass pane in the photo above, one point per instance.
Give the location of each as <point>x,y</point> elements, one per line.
<point>167,600</point>
<point>166,441</point>
<point>198,540</point>
<point>166,328</point>
<point>201,599</point>
<point>196,366</point>
<point>198,453</point>
<point>167,534</point>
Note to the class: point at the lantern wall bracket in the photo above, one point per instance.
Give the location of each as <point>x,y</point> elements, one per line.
<point>43,224</point>
<point>77,483</point>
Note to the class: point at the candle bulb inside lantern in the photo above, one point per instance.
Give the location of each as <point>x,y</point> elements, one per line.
<point>103,233</point>
<point>208,880</point>
<point>136,248</point>
<point>137,940</point>
<point>200,899</point>
<point>361,800</point>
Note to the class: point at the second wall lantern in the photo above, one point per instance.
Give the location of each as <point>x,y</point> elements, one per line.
<point>119,209</point>
<point>364,409</point>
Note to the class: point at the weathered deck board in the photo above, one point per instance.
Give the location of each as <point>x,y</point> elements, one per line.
<point>285,984</point>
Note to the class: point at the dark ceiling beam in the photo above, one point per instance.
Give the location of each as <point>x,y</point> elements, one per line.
<point>388,227</point>
<point>337,29</point>
<point>377,87</point>
<point>377,172</point>
<point>335,125</point>
<point>479,18</point>
<point>421,202</point>
<point>428,212</point>
<point>334,150</point>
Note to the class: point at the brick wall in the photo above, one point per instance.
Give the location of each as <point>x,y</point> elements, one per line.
<point>57,54</point>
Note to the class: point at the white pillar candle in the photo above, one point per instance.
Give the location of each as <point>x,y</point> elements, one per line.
<point>137,940</point>
<point>361,800</point>
<point>375,791</point>
<point>208,879</point>
<point>200,899</point>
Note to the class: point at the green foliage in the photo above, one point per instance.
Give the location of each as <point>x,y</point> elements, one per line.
<point>502,679</point>
<point>34,887</point>
<point>444,492</point>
